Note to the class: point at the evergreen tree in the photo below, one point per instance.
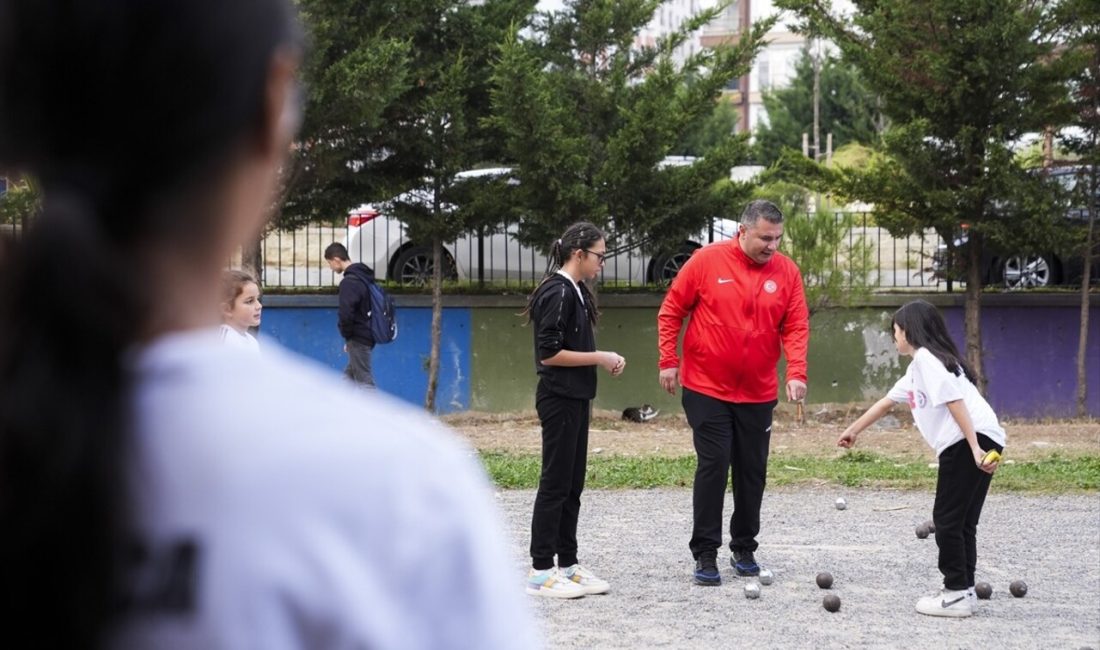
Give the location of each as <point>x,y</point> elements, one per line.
<point>960,81</point>
<point>1080,20</point>
<point>847,109</point>
<point>399,94</point>
<point>588,116</point>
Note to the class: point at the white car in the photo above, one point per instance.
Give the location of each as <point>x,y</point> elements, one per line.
<point>380,241</point>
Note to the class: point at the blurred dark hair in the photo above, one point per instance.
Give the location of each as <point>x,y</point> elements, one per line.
<point>124,111</point>
<point>580,236</point>
<point>924,327</point>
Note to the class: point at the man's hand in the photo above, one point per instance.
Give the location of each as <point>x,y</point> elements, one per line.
<point>670,379</point>
<point>796,390</point>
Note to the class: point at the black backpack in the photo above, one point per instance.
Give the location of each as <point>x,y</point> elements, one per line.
<point>381,314</point>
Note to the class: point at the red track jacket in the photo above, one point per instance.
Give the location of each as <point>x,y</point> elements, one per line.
<point>741,312</point>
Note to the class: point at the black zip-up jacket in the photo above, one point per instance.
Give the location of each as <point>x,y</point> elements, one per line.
<point>561,323</point>
<point>353,322</point>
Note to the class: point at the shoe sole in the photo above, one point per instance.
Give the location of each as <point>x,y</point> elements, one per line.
<point>946,613</point>
<point>551,593</point>
<point>595,591</point>
<point>746,574</point>
<point>708,582</point>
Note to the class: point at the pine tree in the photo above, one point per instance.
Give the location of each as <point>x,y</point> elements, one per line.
<point>960,81</point>
<point>588,117</point>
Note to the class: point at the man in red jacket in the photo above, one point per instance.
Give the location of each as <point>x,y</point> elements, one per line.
<point>746,301</point>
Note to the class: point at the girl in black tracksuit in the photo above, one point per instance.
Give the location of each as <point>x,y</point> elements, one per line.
<point>563,314</point>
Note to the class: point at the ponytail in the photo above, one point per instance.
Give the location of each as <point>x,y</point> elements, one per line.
<point>68,313</point>
<point>579,236</point>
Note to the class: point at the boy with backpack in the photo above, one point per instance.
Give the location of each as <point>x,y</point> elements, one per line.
<point>366,314</point>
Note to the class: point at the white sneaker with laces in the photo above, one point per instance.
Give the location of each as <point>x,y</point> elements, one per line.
<point>971,597</point>
<point>551,584</point>
<point>952,604</point>
<point>585,579</point>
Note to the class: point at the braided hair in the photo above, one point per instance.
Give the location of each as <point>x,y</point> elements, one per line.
<point>580,236</point>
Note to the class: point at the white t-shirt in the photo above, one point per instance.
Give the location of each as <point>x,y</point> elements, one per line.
<point>280,508</point>
<point>241,340</point>
<point>927,387</point>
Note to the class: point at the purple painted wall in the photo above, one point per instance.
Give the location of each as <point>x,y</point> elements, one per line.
<point>1031,358</point>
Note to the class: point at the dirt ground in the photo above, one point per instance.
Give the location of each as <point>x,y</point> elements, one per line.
<point>669,435</point>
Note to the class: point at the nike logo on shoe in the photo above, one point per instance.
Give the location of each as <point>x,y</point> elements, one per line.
<point>945,604</point>
<point>725,280</point>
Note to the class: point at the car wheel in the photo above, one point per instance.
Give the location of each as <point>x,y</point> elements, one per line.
<point>666,266</point>
<point>414,266</point>
<point>1029,271</point>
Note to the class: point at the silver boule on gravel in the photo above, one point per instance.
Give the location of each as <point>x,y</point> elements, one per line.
<point>841,503</point>
<point>766,576</point>
<point>752,590</point>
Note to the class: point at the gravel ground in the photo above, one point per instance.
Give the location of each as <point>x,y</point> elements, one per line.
<point>637,540</point>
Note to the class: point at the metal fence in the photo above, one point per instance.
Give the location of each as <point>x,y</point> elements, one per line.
<point>295,259</point>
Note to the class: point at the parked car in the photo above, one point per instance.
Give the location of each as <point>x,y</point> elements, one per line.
<point>1024,270</point>
<point>380,241</point>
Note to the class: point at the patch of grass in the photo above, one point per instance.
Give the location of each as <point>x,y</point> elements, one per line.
<point>1053,474</point>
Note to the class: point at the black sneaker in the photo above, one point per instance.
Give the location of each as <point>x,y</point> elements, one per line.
<point>706,570</point>
<point>744,563</point>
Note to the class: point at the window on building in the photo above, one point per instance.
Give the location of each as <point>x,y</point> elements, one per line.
<point>763,74</point>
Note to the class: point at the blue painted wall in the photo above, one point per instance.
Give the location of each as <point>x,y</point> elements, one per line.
<point>400,367</point>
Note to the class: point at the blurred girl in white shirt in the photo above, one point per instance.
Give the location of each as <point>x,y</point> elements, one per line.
<point>241,310</point>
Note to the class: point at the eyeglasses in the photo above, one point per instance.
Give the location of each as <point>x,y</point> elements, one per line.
<point>599,255</point>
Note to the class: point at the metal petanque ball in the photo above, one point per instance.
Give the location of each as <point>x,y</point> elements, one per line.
<point>983,590</point>
<point>931,526</point>
<point>841,503</point>
<point>752,590</point>
<point>824,580</point>
<point>831,603</point>
<point>766,576</point>
<point>1018,588</point>
<point>922,532</point>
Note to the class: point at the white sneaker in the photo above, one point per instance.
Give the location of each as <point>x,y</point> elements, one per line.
<point>586,579</point>
<point>971,597</point>
<point>551,584</point>
<point>953,604</point>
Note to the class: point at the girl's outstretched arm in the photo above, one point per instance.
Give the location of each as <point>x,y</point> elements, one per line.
<point>877,410</point>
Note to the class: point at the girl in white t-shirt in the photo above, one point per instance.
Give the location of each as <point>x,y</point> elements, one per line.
<point>154,491</point>
<point>241,310</point>
<point>961,427</point>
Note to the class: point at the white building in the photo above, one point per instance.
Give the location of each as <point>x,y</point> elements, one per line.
<point>669,17</point>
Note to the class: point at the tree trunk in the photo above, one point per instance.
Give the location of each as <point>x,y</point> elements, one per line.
<point>437,323</point>
<point>817,100</point>
<point>973,310</point>
<point>1086,278</point>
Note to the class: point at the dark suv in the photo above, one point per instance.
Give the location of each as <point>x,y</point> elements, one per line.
<point>1019,270</point>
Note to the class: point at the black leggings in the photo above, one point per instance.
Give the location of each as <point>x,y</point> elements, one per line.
<point>564,460</point>
<point>960,494</point>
